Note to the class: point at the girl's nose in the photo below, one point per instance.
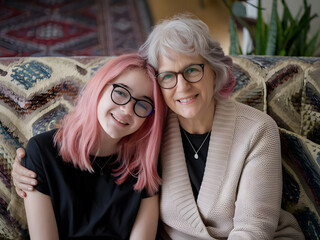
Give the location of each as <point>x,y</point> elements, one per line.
<point>128,108</point>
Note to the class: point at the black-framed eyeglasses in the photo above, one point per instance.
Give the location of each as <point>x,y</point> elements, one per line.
<point>121,96</point>
<point>192,74</point>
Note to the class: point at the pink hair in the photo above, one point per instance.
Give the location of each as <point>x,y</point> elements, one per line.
<point>79,132</point>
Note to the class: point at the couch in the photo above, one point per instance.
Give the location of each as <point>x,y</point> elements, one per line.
<point>36,92</point>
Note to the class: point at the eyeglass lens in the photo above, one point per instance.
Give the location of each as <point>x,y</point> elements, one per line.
<point>193,73</point>
<point>122,96</point>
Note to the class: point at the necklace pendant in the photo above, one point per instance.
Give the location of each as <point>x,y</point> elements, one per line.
<point>196,156</point>
<point>101,172</point>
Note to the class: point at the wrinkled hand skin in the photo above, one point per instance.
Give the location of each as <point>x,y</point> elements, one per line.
<point>23,179</point>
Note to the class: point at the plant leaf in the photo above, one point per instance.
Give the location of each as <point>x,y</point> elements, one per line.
<point>259,32</point>
<point>312,45</point>
<point>233,37</point>
<point>272,33</point>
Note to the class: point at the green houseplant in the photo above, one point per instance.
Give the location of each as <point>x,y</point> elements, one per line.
<point>287,36</point>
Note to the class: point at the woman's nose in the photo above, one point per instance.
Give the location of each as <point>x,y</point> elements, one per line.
<point>182,83</point>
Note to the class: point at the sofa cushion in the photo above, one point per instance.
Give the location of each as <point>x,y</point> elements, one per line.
<point>35,93</point>
<point>310,105</point>
<point>250,86</point>
<point>301,181</point>
<point>288,89</point>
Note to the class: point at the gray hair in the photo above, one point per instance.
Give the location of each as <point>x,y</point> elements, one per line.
<point>188,35</point>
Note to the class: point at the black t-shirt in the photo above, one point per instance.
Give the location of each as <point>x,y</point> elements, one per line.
<point>195,167</point>
<point>86,205</point>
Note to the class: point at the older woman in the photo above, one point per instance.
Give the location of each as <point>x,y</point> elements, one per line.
<point>228,182</point>
<point>221,164</point>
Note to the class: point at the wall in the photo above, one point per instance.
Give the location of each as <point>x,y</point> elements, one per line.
<point>212,12</point>
<point>295,6</point>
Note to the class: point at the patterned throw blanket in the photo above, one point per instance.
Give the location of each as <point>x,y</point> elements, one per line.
<point>35,93</point>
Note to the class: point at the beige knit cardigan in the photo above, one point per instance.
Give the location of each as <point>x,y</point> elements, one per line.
<point>240,195</point>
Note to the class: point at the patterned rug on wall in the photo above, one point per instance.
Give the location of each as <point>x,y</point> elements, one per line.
<point>72,27</point>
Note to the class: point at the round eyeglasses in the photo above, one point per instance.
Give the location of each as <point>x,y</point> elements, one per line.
<point>192,73</point>
<point>121,96</point>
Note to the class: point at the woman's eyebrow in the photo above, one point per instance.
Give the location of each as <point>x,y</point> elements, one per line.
<point>183,68</point>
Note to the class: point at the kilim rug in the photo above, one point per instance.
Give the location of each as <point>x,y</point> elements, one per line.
<point>72,27</point>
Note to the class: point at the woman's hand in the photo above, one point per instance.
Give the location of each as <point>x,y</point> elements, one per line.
<point>23,179</point>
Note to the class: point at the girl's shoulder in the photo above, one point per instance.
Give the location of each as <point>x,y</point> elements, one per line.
<point>43,141</point>
<point>44,137</point>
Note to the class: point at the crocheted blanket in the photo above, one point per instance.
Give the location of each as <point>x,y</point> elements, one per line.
<point>35,93</point>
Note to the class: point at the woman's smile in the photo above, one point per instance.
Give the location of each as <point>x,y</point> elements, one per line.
<point>188,100</point>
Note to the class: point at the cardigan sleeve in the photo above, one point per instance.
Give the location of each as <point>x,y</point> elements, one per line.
<point>258,203</point>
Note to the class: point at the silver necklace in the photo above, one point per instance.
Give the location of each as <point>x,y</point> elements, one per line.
<point>196,156</point>
<point>101,168</point>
